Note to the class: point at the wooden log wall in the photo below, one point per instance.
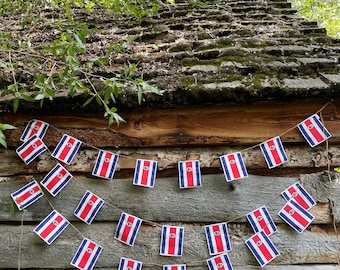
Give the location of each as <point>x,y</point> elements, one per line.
<point>169,135</point>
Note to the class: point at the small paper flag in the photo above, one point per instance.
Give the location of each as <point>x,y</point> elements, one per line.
<point>27,195</point>
<point>66,149</point>
<point>34,127</point>
<point>105,165</point>
<point>217,238</point>
<point>189,174</point>
<point>86,255</point>
<point>273,152</point>
<point>127,228</point>
<point>220,262</point>
<point>88,207</point>
<point>30,149</point>
<point>129,264</point>
<point>51,227</point>
<point>260,220</point>
<point>297,193</point>
<point>172,241</point>
<point>145,173</point>
<point>233,166</point>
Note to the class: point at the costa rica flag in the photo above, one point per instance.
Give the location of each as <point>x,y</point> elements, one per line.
<point>105,165</point>
<point>127,228</point>
<point>88,207</point>
<point>174,267</point>
<point>34,127</point>
<point>260,219</point>
<point>296,216</point>
<point>262,248</point>
<point>233,166</point>
<point>66,149</point>
<point>189,174</point>
<point>172,241</point>
<point>51,227</point>
<point>27,195</point>
<point>313,130</point>
<point>30,149</point>
<point>145,173</point>
<point>56,179</point>
<point>86,255</point>
<point>129,264</point>
<point>217,238</point>
<point>220,262</point>
<point>273,152</point>
<point>297,193</point>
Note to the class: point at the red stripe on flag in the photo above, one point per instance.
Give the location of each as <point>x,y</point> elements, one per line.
<point>66,148</point>
<point>105,164</point>
<point>56,179</point>
<point>130,264</point>
<point>262,221</point>
<point>316,134</point>
<point>88,207</point>
<point>27,194</point>
<point>35,129</point>
<point>172,241</point>
<point>30,149</point>
<point>127,228</point>
<point>218,238</point>
<point>298,198</point>
<point>219,263</point>
<point>189,173</point>
<point>263,248</point>
<point>296,216</point>
<point>86,255</point>
<point>174,267</point>
<point>145,173</point>
<point>273,150</point>
<point>51,227</point>
<point>233,166</point>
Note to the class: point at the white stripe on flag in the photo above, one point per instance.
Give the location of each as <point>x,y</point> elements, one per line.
<point>172,241</point>
<point>219,262</point>
<point>86,255</point>
<point>127,228</point>
<point>313,130</point>
<point>217,238</point>
<point>88,207</point>
<point>262,248</point>
<point>51,227</point>
<point>296,216</point>
<point>34,127</point>
<point>297,193</point>
<point>233,166</point>
<point>273,152</point>
<point>145,173</point>
<point>189,174</point>
<point>129,264</point>
<point>27,195</point>
<point>66,149</point>
<point>31,149</point>
<point>105,165</point>
<point>260,219</point>
<point>56,179</point>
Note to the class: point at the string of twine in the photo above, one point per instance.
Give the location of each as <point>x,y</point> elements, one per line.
<point>157,224</point>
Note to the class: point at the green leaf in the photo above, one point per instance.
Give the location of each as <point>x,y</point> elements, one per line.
<point>15,105</point>
<point>6,126</point>
<point>12,209</point>
<point>39,96</point>
<point>3,139</point>
<point>88,101</point>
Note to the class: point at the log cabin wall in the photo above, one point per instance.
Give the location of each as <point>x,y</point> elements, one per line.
<point>231,78</point>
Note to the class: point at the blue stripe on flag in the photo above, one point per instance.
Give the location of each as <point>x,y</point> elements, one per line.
<point>94,259</point>
<point>321,126</point>
<point>136,178</point>
<point>73,153</point>
<point>211,248</point>
<point>242,165</point>
<point>135,230</point>
<point>256,254</point>
<point>56,168</point>
<point>225,168</point>
<point>33,183</point>
<point>271,223</point>
<point>306,135</point>
<point>269,242</point>
<point>282,151</point>
<point>55,235</point>
<point>139,266</point>
<point>87,194</point>
<point>180,241</point>
<point>289,221</point>
<point>227,261</point>
<point>61,185</point>
<point>99,158</point>
<point>302,190</point>
<point>253,224</point>
<point>181,173</point>
<point>163,239</point>
<point>42,149</point>
<point>305,212</point>
<point>198,174</point>
<point>225,231</point>
<point>112,170</point>
<point>60,144</point>
<point>82,245</point>
<point>210,265</point>
<point>120,224</point>
<point>95,211</point>
<point>265,152</point>
<point>154,168</point>
<point>31,200</point>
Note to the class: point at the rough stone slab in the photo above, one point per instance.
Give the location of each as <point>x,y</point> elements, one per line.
<point>307,84</point>
<point>333,78</point>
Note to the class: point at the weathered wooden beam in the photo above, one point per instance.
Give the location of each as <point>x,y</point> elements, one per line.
<point>299,157</point>
<point>185,126</point>
<point>316,246</point>
<point>215,201</point>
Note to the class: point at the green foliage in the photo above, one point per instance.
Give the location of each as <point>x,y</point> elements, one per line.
<point>325,12</point>
<point>2,135</point>
<point>64,63</point>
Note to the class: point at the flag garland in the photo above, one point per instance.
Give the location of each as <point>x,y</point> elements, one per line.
<point>295,212</point>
